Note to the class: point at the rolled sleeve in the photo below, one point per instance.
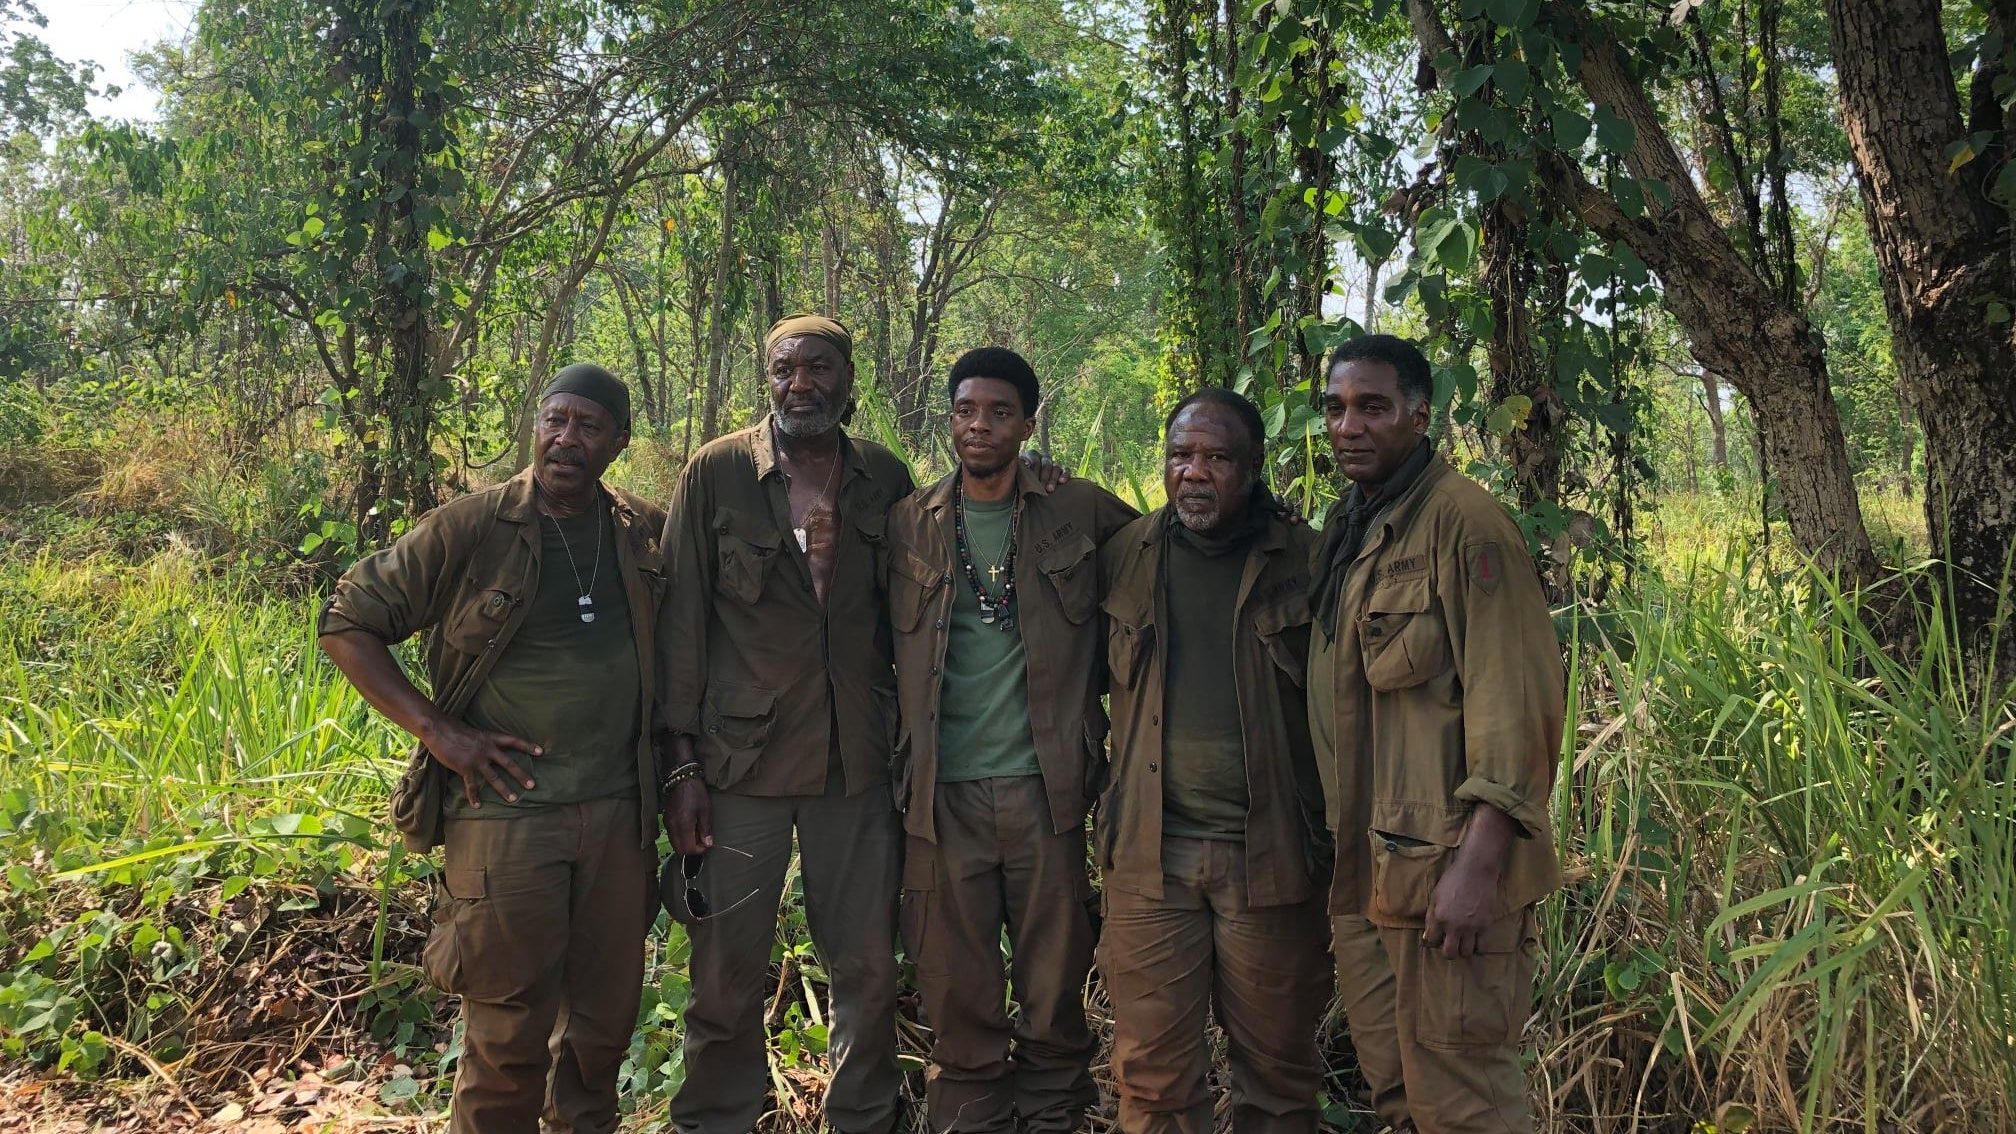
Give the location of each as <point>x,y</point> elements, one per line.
<point>399,591</point>
<point>1529,813</point>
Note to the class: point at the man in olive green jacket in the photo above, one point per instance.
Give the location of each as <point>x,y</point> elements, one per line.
<point>533,763</point>
<point>994,592</point>
<point>1210,837</point>
<point>1440,683</point>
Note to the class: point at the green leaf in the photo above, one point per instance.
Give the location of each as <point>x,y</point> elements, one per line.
<point>1613,132</point>
<point>312,227</point>
<point>1509,416</point>
<point>1275,417</point>
<point>2003,192</point>
<point>1457,247</point>
<point>1512,13</point>
<point>1469,80</point>
<point>1571,129</point>
<point>437,240</point>
<point>1513,79</point>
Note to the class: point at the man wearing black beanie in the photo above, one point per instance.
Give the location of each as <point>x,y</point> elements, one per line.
<point>533,767</point>
<point>993,593</point>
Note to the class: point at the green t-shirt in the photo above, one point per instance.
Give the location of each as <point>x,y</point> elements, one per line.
<point>568,685</point>
<point>983,705</point>
<point>1203,748</point>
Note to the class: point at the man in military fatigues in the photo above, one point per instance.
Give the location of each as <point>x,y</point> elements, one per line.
<point>542,594</point>
<point>1437,668</point>
<point>994,594</point>
<point>776,654</point>
<point>1210,837</point>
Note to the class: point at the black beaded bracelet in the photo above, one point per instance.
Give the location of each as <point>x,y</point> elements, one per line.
<point>682,772</point>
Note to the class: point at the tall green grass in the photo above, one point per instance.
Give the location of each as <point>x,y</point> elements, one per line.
<point>1797,876</point>
<point>1792,871</point>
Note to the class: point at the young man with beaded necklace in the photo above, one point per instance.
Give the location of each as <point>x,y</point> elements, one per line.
<point>999,670</point>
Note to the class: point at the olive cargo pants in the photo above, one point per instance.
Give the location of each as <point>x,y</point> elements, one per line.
<point>1198,950</point>
<point>998,864</point>
<point>539,926</point>
<point>1365,986</point>
<point>1457,1023</point>
<point>849,851</point>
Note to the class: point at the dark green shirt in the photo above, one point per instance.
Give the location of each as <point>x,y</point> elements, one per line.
<point>983,721</point>
<point>567,685</point>
<point>1204,750</point>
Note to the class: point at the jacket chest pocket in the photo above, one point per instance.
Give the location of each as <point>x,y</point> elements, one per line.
<point>913,589</point>
<point>1072,567</point>
<point>1284,630</point>
<point>475,626</point>
<point>1130,637</point>
<point>746,549</point>
<point>1401,636</point>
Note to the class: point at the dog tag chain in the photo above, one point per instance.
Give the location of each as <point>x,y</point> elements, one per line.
<point>586,601</point>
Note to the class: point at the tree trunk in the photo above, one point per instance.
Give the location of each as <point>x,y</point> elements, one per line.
<point>1737,323</point>
<point>720,317</point>
<point>1943,249</point>
<point>1718,430</point>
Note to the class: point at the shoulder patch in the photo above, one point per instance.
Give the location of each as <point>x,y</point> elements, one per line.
<point>1485,564</point>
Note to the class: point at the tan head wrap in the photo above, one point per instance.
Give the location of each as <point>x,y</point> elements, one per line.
<point>818,326</point>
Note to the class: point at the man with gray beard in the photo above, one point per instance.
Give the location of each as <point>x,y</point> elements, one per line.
<point>779,715</point>
<point>1210,838</point>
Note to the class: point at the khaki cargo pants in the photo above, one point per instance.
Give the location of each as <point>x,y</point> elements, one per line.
<point>1200,950</point>
<point>1457,1025</point>
<point>998,864</point>
<point>539,925</point>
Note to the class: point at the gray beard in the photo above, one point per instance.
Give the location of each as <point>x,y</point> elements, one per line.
<point>804,425</point>
<point>1200,522</point>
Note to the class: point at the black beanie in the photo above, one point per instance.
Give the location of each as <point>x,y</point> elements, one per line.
<point>587,380</point>
<point>997,362</point>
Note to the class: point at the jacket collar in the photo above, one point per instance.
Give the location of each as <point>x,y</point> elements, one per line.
<point>519,502</point>
<point>938,497</point>
<point>763,448</point>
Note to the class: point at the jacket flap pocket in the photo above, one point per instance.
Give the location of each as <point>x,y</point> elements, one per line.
<point>1292,611</point>
<point>1407,596</point>
<point>1067,557</point>
<point>740,700</point>
<point>748,528</point>
<point>915,568</point>
<point>1071,567</point>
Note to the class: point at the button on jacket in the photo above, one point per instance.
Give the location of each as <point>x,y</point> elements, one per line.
<point>1447,693</point>
<point>763,677</point>
<point>1056,607</point>
<point>466,570</point>
<point>1286,847</point>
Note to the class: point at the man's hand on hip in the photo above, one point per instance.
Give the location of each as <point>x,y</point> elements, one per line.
<point>481,757</point>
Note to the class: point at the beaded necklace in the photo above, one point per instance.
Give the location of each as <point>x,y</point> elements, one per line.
<point>997,611</point>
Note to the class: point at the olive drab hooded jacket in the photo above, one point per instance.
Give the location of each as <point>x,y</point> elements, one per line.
<point>466,571</point>
<point>1441,689</point>
<point>1287,848</point>
<point>1057,601</point>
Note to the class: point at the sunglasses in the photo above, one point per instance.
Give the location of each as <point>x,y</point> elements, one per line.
<point>696,902</point>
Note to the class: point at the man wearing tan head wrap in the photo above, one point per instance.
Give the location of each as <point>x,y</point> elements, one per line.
<point>779,688</point>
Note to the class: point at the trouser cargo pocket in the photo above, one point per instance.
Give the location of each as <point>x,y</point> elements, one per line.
<point>461,903</point>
